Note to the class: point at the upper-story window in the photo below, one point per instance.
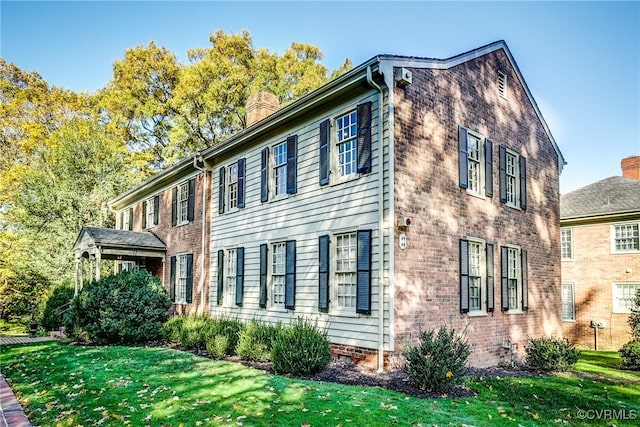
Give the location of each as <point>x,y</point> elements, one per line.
<point>475,163</point>
<point>566,244</point>
<point>278,177</point>
<point>280,168</point>
<point>182,202</point>
<point>513,178</point>
<point>625,237</point>
<point>126,219</point>
<point>150,211</point>
<point>231,186</point>
<point>345,152</point>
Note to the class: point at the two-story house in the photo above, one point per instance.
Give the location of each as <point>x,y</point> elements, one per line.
<point>600,249</point>
<point>403,195</point>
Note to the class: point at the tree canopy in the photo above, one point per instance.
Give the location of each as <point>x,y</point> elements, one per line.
<point>64,154</point>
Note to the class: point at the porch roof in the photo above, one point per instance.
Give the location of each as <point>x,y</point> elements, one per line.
<point>116,244</point>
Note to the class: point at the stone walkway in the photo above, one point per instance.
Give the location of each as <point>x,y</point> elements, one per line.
<point>11,413</point>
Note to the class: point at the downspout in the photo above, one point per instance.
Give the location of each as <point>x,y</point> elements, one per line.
<point>381,226</point>
<point>204,170</point>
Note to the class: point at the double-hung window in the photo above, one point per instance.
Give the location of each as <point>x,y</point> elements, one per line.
<point>280,169</point>
<point>278,275</point>
<point>182,202</point>
<point>181,278</point>
<point>346,256</point>
<point>568,303</point>
<point>230,277</point>
<point>150,211</point>
<point>126,219</point>
<point>625,237</point>
<point>566,244</point>
<point>624,295</point>
<point>279,175</point>
<point>513,178</point>
<point>514,280</point>
<point>230,267</point>
<point>476,276</point>
<point>346,127</point>
<point>231,186</point>
<point>475,162</point>
<point>278,264</point>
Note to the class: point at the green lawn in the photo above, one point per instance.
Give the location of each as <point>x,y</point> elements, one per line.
<point>70,385</point>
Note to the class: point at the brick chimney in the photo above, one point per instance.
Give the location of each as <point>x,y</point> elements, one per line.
<point>631,167</point>
<point>261,105</point>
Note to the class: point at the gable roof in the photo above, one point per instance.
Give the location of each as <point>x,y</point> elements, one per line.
<point>120,238</point>
<point>611,196</point>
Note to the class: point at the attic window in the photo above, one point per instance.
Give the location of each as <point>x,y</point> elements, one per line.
<point>502,84</point>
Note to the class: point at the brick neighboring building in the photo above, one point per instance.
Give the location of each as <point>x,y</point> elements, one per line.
<point>403,195</point>
<point>601,258</point>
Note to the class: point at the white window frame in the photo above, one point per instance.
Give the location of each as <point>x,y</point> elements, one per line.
<point>126,219</point>
<point>475,164</point>
<point>182,203</point>
<point>344,299</point>
<point>566,244</point>
<point>632,224</point>
<point>232,189</point>
<point>230,270</point>
<point>568,289</point>
<point>279,170</point>
<point>514,272</point>
<point>623,295</point>
<point>341,138</point>
<point>277,274</point>
<point>512,179</point>
<point>480,274</point>
<point>151,207</point>
<point>128,266</point>
<point>181,279</point>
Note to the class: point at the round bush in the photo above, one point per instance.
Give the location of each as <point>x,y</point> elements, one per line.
<point>630,354</point>
<point>300,349</point>
<point>550,354</point>
<point>438,363</point>
<point>256,340</point>
<point>127,308</point>
<point>55,306</point>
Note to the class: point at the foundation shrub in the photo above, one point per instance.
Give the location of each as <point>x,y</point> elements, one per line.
<point>300,349</point>
<point>550,354</point>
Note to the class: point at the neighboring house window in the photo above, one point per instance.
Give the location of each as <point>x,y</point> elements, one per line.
<point>150,208</point>
<point>126,219</point>
<point>514,281</point>
<point>181,278</point>
<point>281,176</point>
<point>347,269</point>
<point>182,202</point>
<point>624,295</point>
<point>475,163</point>
<point>513,178</point>
<point>568,303</point>
<point>626,237</point>
<point>351,145</point>
<point>566,244</point>
<point>231,186</point>
<point>278,263</point>
<point>476,276</point>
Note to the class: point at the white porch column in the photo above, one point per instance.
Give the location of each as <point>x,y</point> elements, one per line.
<point>98,263</point>
<point>75,277</point>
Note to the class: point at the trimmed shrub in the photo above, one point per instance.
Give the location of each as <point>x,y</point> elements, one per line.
<point>193,332</point>
<point>172,329</point>
<point>550,354</point>
<point>630,354</point>
<point>55,307</point>
<point>218,346</point>
<point>222,336</point>
<point>300,349</point>
<point>256,340</point>
<point>127,308</point>
<point>438,363</point>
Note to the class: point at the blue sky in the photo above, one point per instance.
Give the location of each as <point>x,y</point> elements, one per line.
<point>581,60</point>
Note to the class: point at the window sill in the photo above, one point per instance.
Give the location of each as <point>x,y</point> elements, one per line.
<point>512,206</point>
<point>477,314</point>
<point>344,313</point>
<point>569,320</point>
<point>566,260</point>
<point>631,252</point>
<point>343,179</point>
<point>476,195</point>
<point>180,224</point>
<point>279,197</point>
<point>274,309</point>
<point>515,311</point>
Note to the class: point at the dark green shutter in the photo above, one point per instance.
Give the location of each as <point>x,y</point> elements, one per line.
<point>488,168</point>
<point>174,206</point>
<point>172,279</point>
<point>191,200</point>
<point>324,163</point>
<point>144,214</point>
<point>239,275</point>
<point>221,190</point>
<point>504,277</point>
<point>290,275</point>
<point>523,182</point>
<point>220,276</point>
<point>130,219</point>
<point>264,175</point>
<point>241,182</point>
<point>156,208</point>
<point>464,276</point>
<point>525,280</point>
<point>490,290</point>
<point>503,173</point>
<point>292,164</point>
<point>189,290</point>
<point>262,299</point>
<point>463,159</point>
<point>363,277</point>
<point>323,277</point>
<point>364,137</point>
